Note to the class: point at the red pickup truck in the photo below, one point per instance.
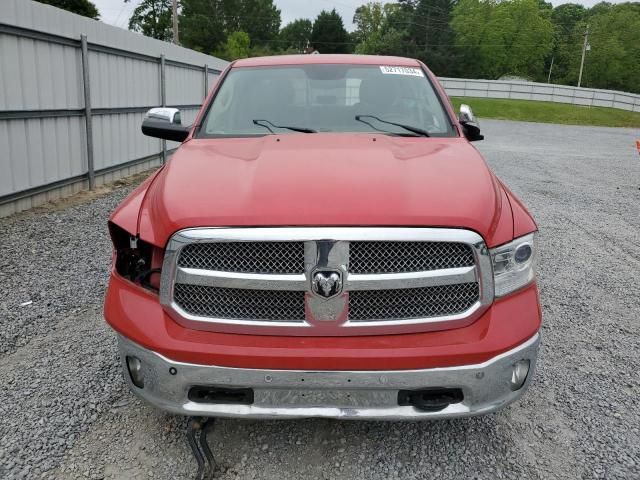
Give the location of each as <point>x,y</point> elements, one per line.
<point>325,242</point>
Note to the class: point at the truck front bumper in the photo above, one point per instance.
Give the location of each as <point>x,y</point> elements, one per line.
<point>379,395</point>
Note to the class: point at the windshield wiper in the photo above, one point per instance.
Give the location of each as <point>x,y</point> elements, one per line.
<point>418,131</point>
<point>267,124</point>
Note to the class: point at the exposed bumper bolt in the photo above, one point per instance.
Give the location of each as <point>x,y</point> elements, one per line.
<point>197,430</point>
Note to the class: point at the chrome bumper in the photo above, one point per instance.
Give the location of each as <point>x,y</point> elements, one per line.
<point>369,395</point>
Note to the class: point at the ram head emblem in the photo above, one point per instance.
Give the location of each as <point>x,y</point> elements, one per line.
<point>327,283</point>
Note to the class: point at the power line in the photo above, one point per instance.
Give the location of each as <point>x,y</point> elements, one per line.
<point>425,45</point>
<point>117,22</point>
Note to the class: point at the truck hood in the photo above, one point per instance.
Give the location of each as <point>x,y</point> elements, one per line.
<point>324,180</point>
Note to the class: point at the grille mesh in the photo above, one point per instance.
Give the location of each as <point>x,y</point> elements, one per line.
<point>366,305</point>
<point>399,257</point>
<point>239,304</point>
<point>365,257</point>
<point>245,257</point>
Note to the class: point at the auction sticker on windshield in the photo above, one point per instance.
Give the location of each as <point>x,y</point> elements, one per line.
<point>411,71</point>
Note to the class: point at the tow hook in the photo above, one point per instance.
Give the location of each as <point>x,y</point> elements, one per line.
<point>197,430</point>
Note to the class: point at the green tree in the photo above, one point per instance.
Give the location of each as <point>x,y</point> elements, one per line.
<point>206,24</point>
<point>85,8</point>
<point>296,35</point>
<point>259,18</point>
<point>153,18</point>
<point>469,20</point>
<point>238,45</point>
<point>370,19</point>
<point>329,35</point>
<point>545,6</point>
<point>202,25</point>
<point>600,8</point>
<point>376,32</point>
<point>431,32</point>
<point>613,59</point>
<point>390,42</point>
<point>510,37</point>
<point>564,18</point>
<point>268,50</point>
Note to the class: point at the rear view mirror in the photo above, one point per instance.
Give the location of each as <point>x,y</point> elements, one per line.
<point>171,115</point>
<point>165,123</point>
<point>469,123</point>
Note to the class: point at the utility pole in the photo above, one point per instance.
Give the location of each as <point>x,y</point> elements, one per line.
<point>176,38</point>
<point>584,50</point>
<point>550,68</point>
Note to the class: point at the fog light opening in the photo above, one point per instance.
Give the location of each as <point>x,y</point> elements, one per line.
<point>134,365</point>
<point>519,374</point>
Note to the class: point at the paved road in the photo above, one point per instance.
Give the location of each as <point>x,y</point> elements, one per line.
<point>65,413</point>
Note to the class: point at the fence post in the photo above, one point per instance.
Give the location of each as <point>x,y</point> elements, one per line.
<point>163,99</point>
<point>87,111</point>
<point>206,80</point>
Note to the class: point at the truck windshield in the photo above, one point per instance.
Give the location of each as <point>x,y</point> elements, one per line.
<point>326,98</point>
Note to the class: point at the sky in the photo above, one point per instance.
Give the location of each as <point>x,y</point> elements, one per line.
<point>116,12</point>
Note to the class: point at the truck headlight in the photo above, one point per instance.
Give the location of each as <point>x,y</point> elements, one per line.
<point>135,259</point>
<point>514,264</point>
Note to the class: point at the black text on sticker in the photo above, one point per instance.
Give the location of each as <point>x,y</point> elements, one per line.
<point>411,71</point>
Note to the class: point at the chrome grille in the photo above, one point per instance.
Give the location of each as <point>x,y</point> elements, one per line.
<point>401,257</point>
<point>326,280</point>
<point>240,304</point>
<point>245,257</point>
<point>408,303</point>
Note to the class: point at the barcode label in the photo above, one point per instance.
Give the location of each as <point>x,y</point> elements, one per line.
<point>411,71</point>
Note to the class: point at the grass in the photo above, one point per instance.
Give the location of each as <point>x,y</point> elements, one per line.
<point>548,112</point>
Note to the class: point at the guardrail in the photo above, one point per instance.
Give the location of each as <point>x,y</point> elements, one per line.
<point>519,90</point>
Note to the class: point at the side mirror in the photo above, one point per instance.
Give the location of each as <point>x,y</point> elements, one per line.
<point>470,125</point>
<point>165,123</point>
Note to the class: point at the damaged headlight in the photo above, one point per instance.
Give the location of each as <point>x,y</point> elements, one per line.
<point>135,259</point>
<point>514,264</point>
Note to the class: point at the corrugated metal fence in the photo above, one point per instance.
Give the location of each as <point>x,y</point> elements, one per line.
<point>593,97</point>
<point>73,93</point>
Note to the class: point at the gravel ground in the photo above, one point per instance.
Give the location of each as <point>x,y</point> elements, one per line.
<point>66,413</point>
